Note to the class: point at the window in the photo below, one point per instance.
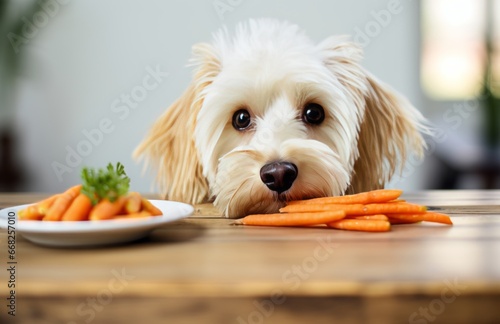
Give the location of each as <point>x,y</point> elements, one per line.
<point>455,54</point>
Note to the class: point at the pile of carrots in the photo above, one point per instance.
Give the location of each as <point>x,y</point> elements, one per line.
<point>372,211</point>
<point>74,205</point>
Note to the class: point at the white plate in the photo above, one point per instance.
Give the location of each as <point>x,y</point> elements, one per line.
<point>93,233</point>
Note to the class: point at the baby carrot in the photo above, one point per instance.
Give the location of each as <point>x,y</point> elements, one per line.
<point>38,209</point>
<point>361,225</point>
<point>106,209</point>
<point>369,217</point>
<point>133,203</point>
<point>148,206</point>
<point>428,217</point>
<point>44,205</point>
<point>30,213</point>
<point>396,221</point>
<point>358,209</point>
<point>375,196</point>
<point>61,203</point>
<point>140,214</point>
<point>79,209</point>
<point>291,219</point>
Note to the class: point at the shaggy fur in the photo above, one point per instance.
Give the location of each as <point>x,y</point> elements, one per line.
<point>273,70</point>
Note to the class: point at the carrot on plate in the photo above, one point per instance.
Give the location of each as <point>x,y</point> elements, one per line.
<point>44,205</point>
<point>106,209</point>
<point>61,203</point>
<point>370,197</point>
<point>30,213</point>
<point>141,214</point>
<point>133,203</point>
<point>291,219</point>
<point>79,209</point>
<point>361,225</point>
<point>37,210</point>
<point>152,209</point>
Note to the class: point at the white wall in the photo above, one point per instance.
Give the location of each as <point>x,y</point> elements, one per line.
<point>91,52</point>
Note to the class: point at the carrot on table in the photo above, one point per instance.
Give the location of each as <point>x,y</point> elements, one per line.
<point>105,209</point>
<point>357,209</point>
<point>79,209</point>
<point>361,225</point>
<point>369,217</point>
<point>61,203</point>
<point>291,219</point>
<point>152,209</point>
<point>396,221</point>
<point>374,196</point>
<point>133,203</point>
<point>428,217</point>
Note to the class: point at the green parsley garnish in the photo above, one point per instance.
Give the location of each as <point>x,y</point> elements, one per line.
<point>109,183</point>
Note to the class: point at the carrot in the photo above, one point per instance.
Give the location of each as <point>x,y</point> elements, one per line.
<point>429,217</point>
<point>361,225</point>
<point>37,210</point>
<point>291,219</point>
<point>44,205</point>
<point>369,217</point>
<point>79,209</point>
<point>106,209</point>
<point>148,206</point>
<point>370,197</point>
<point>358,209</point>
<point>61,203</point>
<point>30,213</point>
<point>395,221</point>
<point>140,214</point>
<point>133,203</point>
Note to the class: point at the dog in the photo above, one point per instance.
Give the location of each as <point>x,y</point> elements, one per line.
<point>271,117</point>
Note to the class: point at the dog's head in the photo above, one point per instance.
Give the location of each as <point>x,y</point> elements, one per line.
<point>271,117</point>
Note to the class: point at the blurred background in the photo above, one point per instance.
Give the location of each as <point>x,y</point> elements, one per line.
<point>82,81</point>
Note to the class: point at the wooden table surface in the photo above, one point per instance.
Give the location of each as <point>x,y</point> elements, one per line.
<point>204,270</point>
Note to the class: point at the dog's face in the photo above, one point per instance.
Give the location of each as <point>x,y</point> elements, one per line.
<point>271,117</point>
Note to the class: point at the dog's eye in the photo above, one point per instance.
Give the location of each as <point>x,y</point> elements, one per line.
<point>241,119</point>
<point>313,114</point>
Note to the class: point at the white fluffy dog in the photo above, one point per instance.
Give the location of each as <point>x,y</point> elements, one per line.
<point>272,117</point>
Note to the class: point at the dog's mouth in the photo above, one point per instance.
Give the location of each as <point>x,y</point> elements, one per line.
<point>283,197</point>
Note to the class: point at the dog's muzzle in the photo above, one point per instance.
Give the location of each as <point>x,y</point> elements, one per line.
<point>278,176</point>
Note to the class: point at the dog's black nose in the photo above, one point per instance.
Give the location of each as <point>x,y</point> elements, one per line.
<point>278,176</point>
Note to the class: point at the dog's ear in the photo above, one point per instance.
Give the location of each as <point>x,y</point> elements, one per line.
<point>390,127</point>
<point>169,146</point>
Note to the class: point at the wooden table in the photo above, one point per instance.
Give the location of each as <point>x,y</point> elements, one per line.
<point>204,270</point>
